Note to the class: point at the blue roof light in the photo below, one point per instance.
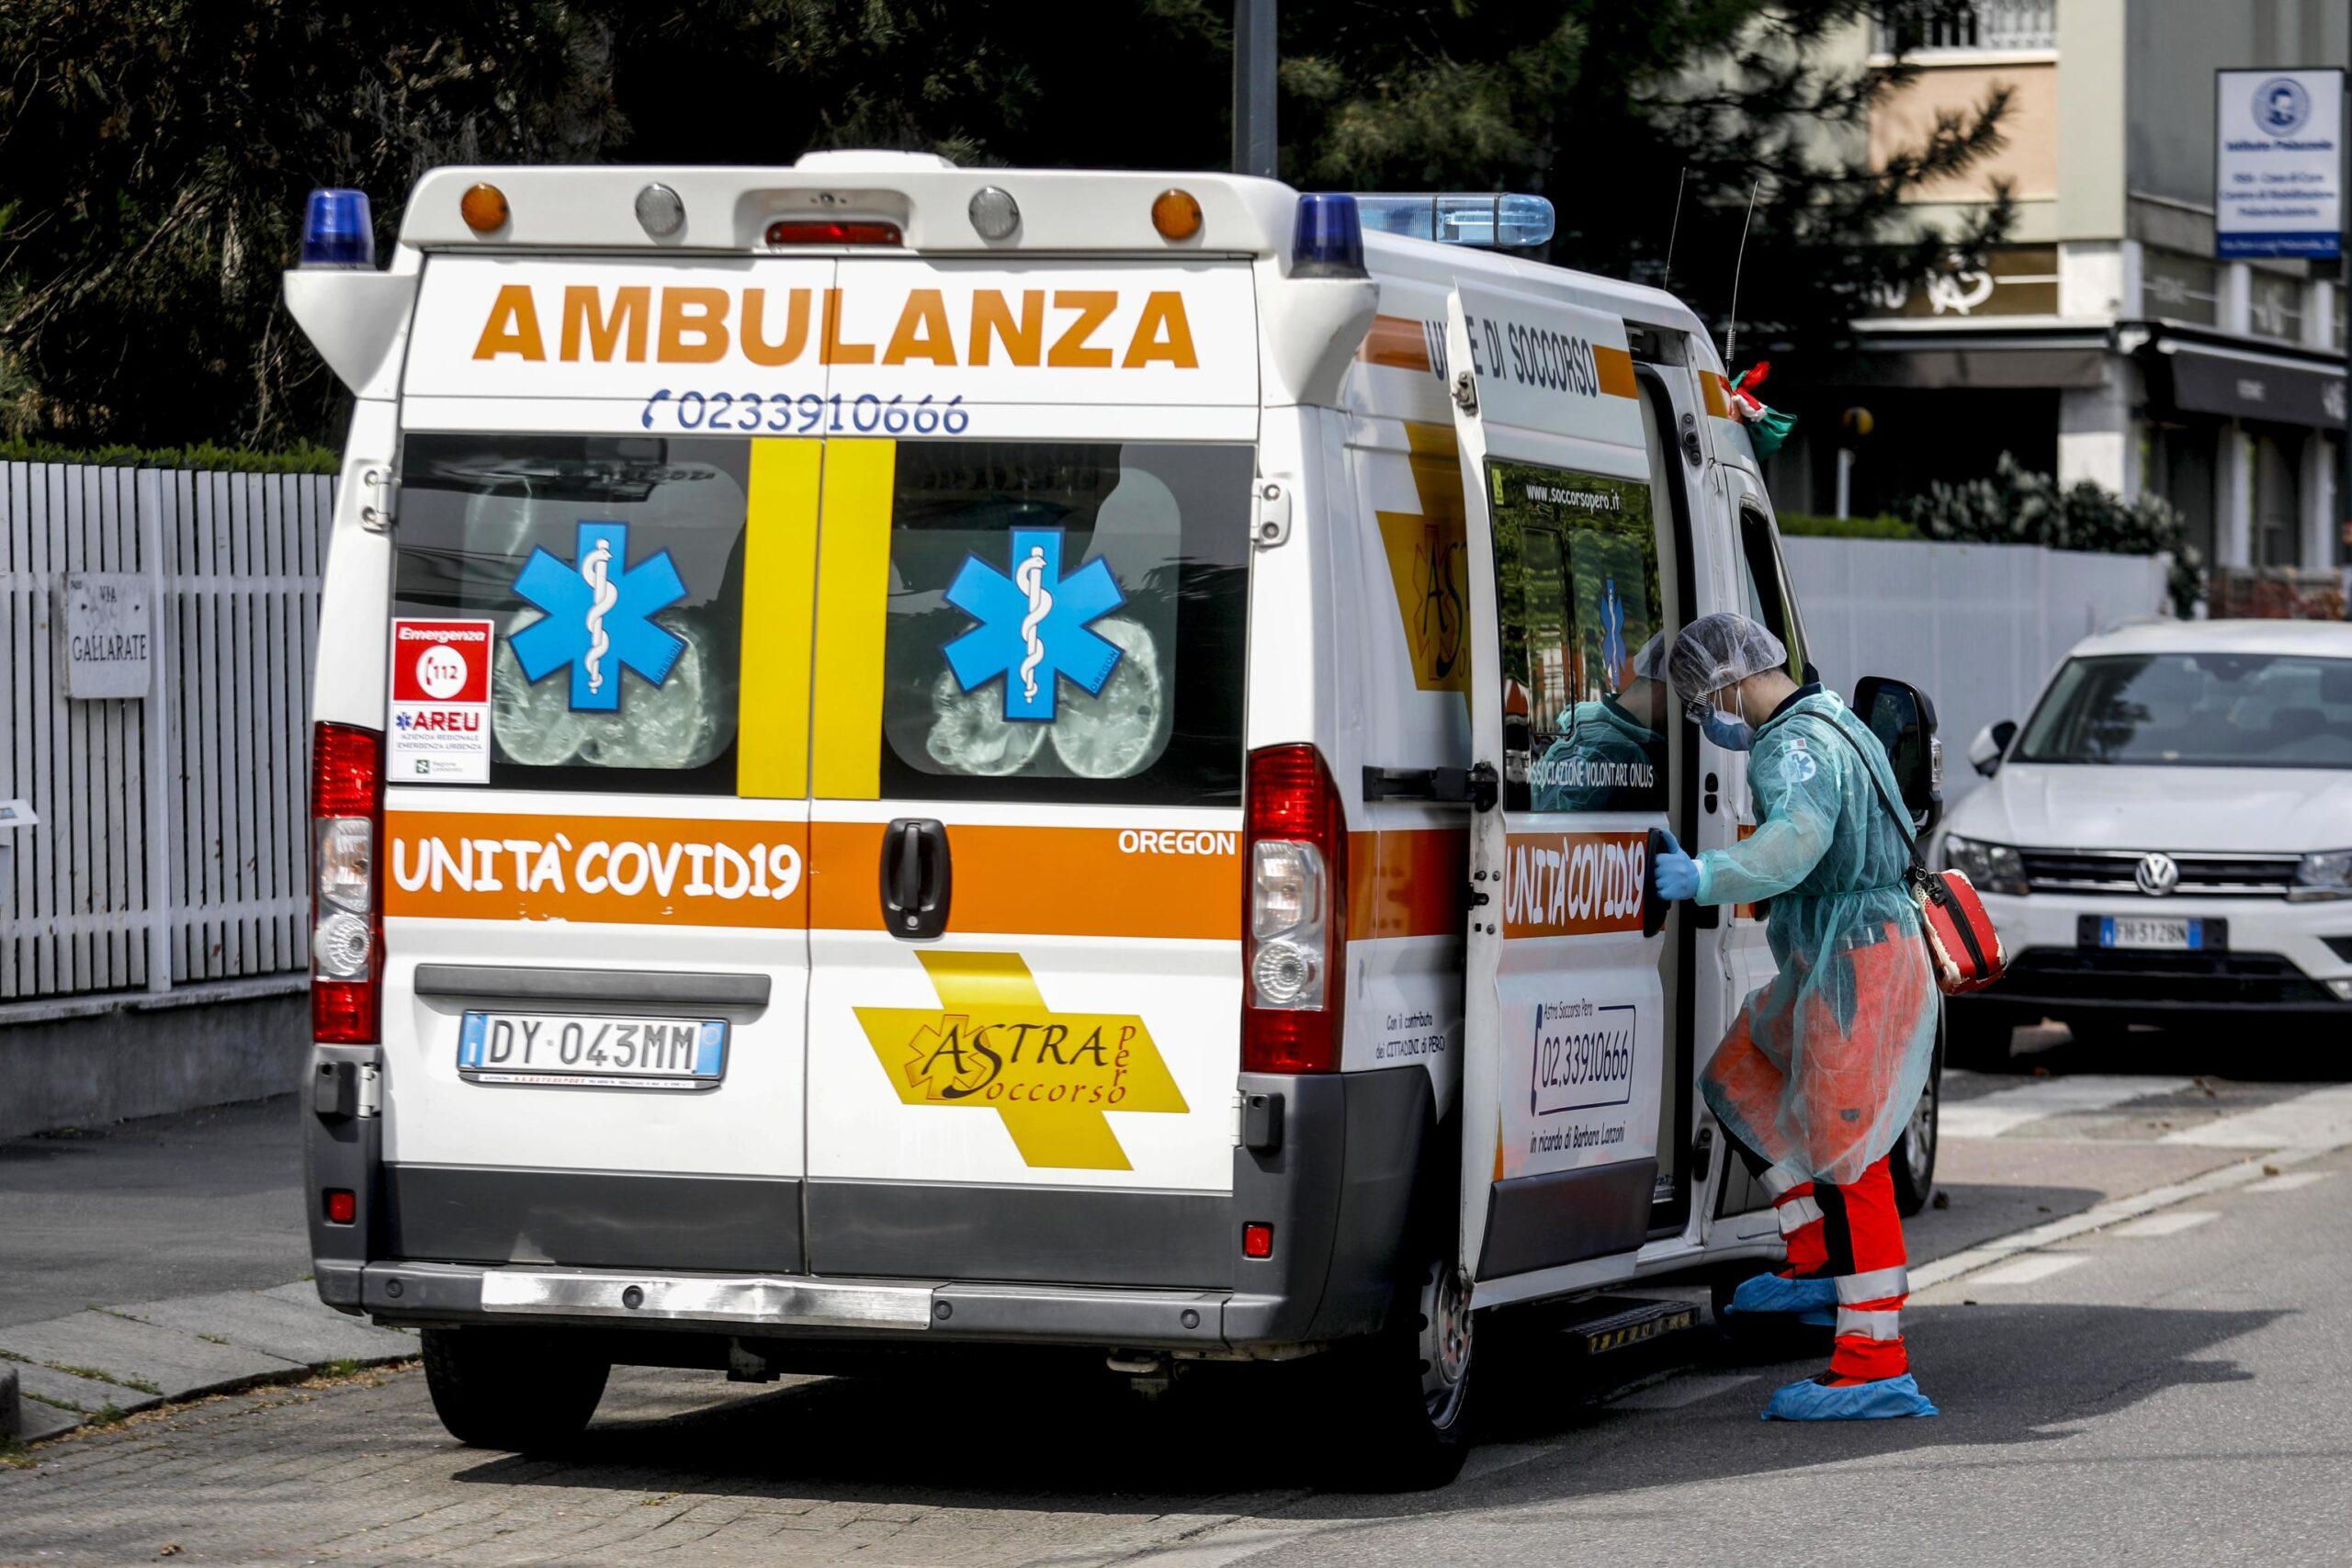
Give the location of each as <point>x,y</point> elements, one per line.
<point>337,230</point>
<point>1505,222</point>
<point>1328,240</point>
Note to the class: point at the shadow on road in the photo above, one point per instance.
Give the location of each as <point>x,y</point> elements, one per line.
<point>2006,1376</point>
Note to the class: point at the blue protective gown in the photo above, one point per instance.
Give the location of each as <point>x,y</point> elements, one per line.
<point>1821,1069</point>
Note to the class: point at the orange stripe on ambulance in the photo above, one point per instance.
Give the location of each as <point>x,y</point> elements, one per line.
<point>696,325</point>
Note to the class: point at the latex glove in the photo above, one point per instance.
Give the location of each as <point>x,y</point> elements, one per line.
<point>1678,874</point>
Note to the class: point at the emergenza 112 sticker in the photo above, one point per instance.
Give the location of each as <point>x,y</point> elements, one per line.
<point>439,731</point>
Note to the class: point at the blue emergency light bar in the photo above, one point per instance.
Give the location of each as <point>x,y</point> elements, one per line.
<point>1508,221</point>
<point>337,230</point>
<point>1328,240</point>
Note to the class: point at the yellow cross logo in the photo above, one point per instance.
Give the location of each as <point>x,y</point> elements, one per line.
<point>993,1045</point>
<point>1428,559</point>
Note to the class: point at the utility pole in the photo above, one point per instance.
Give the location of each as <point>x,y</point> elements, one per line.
<point>1253,88</point>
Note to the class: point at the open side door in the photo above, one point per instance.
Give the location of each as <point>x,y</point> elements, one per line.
<point>1571,1007</point>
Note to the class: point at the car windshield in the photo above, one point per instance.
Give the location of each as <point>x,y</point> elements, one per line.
<point>2196,710</point>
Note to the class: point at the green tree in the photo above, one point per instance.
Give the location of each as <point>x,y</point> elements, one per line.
<point>154,153</point>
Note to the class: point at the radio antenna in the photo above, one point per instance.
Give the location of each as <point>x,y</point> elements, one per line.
<point>1731,345</point>
<point>1674,230</point>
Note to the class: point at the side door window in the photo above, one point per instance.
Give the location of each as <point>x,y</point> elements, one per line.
<point>1764,590</point>
<point>1584,716</point>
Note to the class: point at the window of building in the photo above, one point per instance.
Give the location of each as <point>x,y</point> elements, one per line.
<point>2277,500</point>
<point>2275,307</point>
<point>2179,288</point>
<point>1923,26</point>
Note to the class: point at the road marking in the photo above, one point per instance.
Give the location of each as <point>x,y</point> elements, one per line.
<point>2288,1182</point>
<point>2006,1110</point>
<point>1676,1392</point>
<point>2320,1120</point>
<point>2172,1224</point>
<point>2026,1270</point>
<point>2098,1216</point>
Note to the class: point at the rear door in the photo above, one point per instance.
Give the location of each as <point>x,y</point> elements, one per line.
<point>1570,1010</point>
<point>1026,769</point>
<point>595,879</point>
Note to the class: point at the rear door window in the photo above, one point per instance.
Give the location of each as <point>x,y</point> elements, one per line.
<point>1065,622</point>
<point>612,570</point>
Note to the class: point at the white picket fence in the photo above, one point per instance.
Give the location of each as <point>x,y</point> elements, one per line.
<point>171,848</point>
<point>1978,627</point>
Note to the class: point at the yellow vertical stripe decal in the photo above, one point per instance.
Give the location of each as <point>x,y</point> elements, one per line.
<point>853,599</point>
<point>779,596</point>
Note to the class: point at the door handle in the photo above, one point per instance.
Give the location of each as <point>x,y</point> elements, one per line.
<point>918,877</point>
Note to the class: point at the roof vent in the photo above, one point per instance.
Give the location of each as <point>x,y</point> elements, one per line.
<point>869,161</point>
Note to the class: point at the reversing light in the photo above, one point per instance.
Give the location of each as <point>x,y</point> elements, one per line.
<point>346,927</point>
<point>484,209</point>
<point>1328,239</point>
<point>1175,214</point>
<point>994,214</point>
<point>832,232</point>
<point>1294,929</point>
<point>1506,220</point>
<point>337,230</point>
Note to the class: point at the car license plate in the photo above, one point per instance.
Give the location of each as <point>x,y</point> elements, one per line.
<point>2142,930</point>
<point>577,1050</point>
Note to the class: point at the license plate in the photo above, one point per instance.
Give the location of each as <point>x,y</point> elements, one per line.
<point>576,1050</point>
<point>2140,930</point>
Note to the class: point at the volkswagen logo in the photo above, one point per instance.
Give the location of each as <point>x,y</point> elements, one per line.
<point>2156,875</point>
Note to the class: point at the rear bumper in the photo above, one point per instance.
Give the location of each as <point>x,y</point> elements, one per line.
<point>1343,1186</point>
<point>426,1294</point>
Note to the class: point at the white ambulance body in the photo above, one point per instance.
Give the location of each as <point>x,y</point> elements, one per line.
<point>910,755</point>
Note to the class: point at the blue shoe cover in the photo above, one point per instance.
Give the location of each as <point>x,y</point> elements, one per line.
<point>1879,1400</point>
<point>1814,1301</point>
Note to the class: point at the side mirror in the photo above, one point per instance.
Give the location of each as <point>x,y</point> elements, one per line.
<point>1992,743</point>
<point>1904,720</point>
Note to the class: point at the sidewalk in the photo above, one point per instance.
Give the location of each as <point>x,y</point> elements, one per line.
<point>152,1261</point>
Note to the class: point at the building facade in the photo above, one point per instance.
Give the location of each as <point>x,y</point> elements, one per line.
<point>2103,340</point>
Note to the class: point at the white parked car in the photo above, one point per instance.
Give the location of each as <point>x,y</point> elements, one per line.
<point>2170,834</point>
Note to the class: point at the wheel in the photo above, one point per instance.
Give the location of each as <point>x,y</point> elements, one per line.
<point>1913,1161</point>
<point>1977,1036</point>
<point>1400,1406</point>
<point>527,1390</point>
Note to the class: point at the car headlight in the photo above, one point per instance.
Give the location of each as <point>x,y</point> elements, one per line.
<point>2327,874</point>
<point>1992,868</point>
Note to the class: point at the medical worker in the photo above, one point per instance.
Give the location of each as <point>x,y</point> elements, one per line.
<point>1820,1071</point>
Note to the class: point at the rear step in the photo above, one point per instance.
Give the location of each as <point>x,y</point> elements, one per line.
<point>1604,1325</point>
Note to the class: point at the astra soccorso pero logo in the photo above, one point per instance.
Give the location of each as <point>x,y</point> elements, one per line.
<point>993,1045</point>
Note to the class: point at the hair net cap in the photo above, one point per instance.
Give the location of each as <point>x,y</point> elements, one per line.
<point>1715,650</point>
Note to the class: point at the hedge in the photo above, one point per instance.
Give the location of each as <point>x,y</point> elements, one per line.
<point>1879,527</point>
<point>307,459</point>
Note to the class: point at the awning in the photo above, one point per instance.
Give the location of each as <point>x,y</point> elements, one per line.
<point>2196,375</point>
<point>1985,357</point>
<point>1953,369</point>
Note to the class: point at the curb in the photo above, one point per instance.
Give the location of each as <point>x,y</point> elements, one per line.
<point>106,1362</point>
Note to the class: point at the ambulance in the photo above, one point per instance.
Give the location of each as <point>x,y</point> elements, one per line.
<point>909,756</point>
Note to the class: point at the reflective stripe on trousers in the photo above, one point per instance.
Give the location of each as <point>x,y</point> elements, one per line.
<point>1864,1234</point>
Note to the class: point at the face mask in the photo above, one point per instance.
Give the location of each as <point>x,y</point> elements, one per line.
<point>1726,730</point>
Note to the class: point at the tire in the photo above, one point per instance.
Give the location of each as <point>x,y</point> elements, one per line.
<point>1399,1406</point>
<point>1912,1162</point>
<point>1977,1036</point>
<point>524,1391</point>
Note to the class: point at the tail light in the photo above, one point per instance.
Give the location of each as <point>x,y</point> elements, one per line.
<point>346,927</point>
<point>1294,941</point>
